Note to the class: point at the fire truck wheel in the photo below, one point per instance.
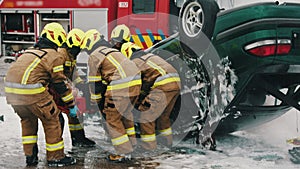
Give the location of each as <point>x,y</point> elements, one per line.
<point>196,24</point>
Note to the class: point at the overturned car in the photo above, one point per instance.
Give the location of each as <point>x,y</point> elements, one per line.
<point>239,68</point>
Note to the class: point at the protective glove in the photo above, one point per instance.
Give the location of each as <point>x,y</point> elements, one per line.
<point>73,111</point>
<point>140,99</point>
<point>137,105</point>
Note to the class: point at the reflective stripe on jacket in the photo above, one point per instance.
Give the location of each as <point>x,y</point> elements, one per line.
<point>157,73</point>
<point>17,88</point>
<point>27,79</point>
<point>114,69</point>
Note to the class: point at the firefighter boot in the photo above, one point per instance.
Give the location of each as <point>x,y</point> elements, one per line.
<point>62,162</point>
<point>79,139</point>
<point>33,159</point>
<point>119,158</point>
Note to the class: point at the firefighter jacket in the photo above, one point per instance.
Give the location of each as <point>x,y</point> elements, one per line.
<point>157,73</point>
<point>28,78</point>
<point>70,66</point>
<point>110,67</point>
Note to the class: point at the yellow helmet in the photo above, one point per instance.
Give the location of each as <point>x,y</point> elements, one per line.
<point>55,33</point>
<point>128,48</point>
<point>120,33</point>
<point>91,37</point>
<point>75,37</point>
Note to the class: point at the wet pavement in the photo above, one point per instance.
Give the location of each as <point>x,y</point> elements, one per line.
<point>11,152</point>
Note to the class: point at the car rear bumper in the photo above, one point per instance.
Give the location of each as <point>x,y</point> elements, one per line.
<point>269,93</point>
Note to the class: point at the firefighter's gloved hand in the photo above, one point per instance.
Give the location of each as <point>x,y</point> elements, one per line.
<point>73,111</point>
<point>137,105</point>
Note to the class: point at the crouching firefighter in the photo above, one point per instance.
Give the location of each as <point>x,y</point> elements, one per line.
<point>70,49</point>
<point>159,92</point>
<point>110,70</point>
<point>26,90</point>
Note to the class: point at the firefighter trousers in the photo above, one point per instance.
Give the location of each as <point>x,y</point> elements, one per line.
<point>48,113</point>
<point>75,127</point>
<point>155,114</point>
<point>120,122</point>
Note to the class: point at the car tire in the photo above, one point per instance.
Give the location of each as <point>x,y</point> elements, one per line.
<point>196,24</point>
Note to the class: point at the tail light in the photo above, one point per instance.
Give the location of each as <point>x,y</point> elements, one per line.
<point>266,48</point>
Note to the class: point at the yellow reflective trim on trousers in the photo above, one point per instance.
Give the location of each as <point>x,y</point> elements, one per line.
<point>55,147</point>
<point>78,80</point>
<point>24,91</point>
<point>96,96</point>
<point>68,63</point>
<point>104,82</point>
<point>165,81</point>
<point>74,127</point>
<point>29,70</point>
<point>94,78</point>
<point>156,67</point>
<point>124,85</point>
<point>166,132</point>
<point>68,97</point>
<point>148,137</point>
<point>120,140</point>
<point>117,65</point>
<point>29,139</point>
<point>130,131</point>
<point>58,68</point>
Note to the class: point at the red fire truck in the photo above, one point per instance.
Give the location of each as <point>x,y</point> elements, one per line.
<point>149,20</point>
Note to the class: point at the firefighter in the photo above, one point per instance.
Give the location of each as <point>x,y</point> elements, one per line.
<point>120,35</point>
<point>114,76</point>
<point>26,86</point>
<point>70,49</point>
<point>159,92</point>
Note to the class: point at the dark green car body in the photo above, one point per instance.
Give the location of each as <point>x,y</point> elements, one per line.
<point>236,28</point>
<point>267,83</point>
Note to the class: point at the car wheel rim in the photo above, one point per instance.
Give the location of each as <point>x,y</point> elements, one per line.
<point>193,19</point>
